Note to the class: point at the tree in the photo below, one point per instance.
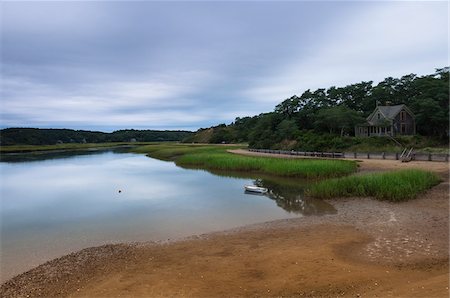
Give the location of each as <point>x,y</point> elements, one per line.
<point>288,107</point>
<point>287,130</point>
<point>337,119</point>
<point>431,103</point>
<point>355,96</point>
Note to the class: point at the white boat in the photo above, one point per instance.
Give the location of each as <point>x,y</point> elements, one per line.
<point>252,188</point>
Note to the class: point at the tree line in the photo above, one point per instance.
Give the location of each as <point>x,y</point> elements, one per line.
<point>331,113</point>
<point>36,136</point>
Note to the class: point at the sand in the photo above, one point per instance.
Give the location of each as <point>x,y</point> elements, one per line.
<point>368,249</point>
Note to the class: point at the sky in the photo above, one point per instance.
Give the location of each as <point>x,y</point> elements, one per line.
<point>112,65</point>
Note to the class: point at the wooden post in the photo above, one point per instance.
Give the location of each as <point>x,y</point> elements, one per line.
<point>396,155</point>
<point>354,153</point>
<point>368,155</point>
<point>384,155</point>
<point>429,156</point>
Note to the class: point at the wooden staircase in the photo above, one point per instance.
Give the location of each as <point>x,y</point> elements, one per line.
<point>407,155</point>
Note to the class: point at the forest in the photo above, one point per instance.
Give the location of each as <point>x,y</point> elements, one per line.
<point>36,136</point>
<point>324,119</point>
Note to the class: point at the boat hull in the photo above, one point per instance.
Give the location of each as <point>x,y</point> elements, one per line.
<point>255,189</point>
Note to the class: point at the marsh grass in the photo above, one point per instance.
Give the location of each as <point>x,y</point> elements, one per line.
<point>172,151</point>
<point>392,186</point>
<point>216,158</point>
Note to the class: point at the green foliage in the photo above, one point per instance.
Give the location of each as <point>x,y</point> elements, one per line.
<point>173,151</point>
<point>338,119</point>
<point>332,114</point>
<point>36,136</point>
<point>392,186</point>
<point>217,158</point>
<point>287,129</point>
<point>222,134</point>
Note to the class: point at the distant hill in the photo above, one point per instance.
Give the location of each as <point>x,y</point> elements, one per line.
<point>37,136</point>
<point>201,136</point>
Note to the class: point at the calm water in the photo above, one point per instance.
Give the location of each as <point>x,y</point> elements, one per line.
<point>56,203</point>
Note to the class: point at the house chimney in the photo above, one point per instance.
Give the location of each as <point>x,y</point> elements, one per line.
<point>388,103</point>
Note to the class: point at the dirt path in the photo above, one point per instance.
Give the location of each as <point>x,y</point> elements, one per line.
<point>368,249</point>
<point>441,168</point>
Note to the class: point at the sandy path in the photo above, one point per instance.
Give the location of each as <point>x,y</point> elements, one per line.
<point>368,164</point>
<point>369,248</point>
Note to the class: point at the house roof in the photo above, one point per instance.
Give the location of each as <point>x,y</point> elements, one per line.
<point>386,116</point>
<point>388,113</point>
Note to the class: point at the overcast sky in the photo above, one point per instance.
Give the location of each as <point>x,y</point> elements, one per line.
<point>185,65</point>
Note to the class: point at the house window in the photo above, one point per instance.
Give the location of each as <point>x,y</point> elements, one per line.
<point>402,116</point>
<point>378,115</point>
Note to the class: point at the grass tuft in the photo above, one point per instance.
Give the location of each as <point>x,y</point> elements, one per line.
<point>392,186</point>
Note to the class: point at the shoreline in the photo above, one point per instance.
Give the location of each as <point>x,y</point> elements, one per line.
<point>409,239</point>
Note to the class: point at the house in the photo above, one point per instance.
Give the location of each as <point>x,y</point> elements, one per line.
<point>388,120</point>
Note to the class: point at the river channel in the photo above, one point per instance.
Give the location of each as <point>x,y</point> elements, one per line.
<point>57,203</point>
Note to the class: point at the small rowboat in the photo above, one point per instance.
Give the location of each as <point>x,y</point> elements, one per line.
<point>252,188</point>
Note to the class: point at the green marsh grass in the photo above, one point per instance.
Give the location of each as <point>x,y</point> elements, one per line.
<point>217,158</point>
<point>392,186</point>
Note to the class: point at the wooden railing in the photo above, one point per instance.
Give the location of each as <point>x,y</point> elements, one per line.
<point>362,155</point>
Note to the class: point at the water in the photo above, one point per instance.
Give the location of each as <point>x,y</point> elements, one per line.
<point>53,204</point>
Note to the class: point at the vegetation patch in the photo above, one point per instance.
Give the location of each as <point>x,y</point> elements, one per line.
<point>52,136</point>
<point>392,186</point>
<point>217,158</point>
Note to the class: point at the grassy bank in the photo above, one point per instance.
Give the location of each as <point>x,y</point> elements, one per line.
<point>217,158</point>
<point>392,186</point>
<point>68,146</point>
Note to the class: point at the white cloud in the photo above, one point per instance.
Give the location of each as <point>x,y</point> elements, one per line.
<point>161,101</point>
<point>385,39</point>
<point>191,65</point>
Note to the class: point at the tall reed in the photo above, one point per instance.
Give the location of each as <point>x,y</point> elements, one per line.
<point>392,186</point>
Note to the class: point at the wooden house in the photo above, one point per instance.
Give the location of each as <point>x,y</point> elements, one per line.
<point>388,121</point>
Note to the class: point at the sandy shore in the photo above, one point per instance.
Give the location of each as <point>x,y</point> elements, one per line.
<point>368,249</point>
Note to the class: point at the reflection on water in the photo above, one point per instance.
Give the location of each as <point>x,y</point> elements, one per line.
<point>289,196</point>
<point>57,154</point>
<point>61,202</point>
<point>288,193</point>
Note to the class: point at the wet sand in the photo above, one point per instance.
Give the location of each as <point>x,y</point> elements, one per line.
<point>368,249</point>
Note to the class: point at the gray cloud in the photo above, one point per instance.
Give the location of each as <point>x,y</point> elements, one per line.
<point>110,65</point>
